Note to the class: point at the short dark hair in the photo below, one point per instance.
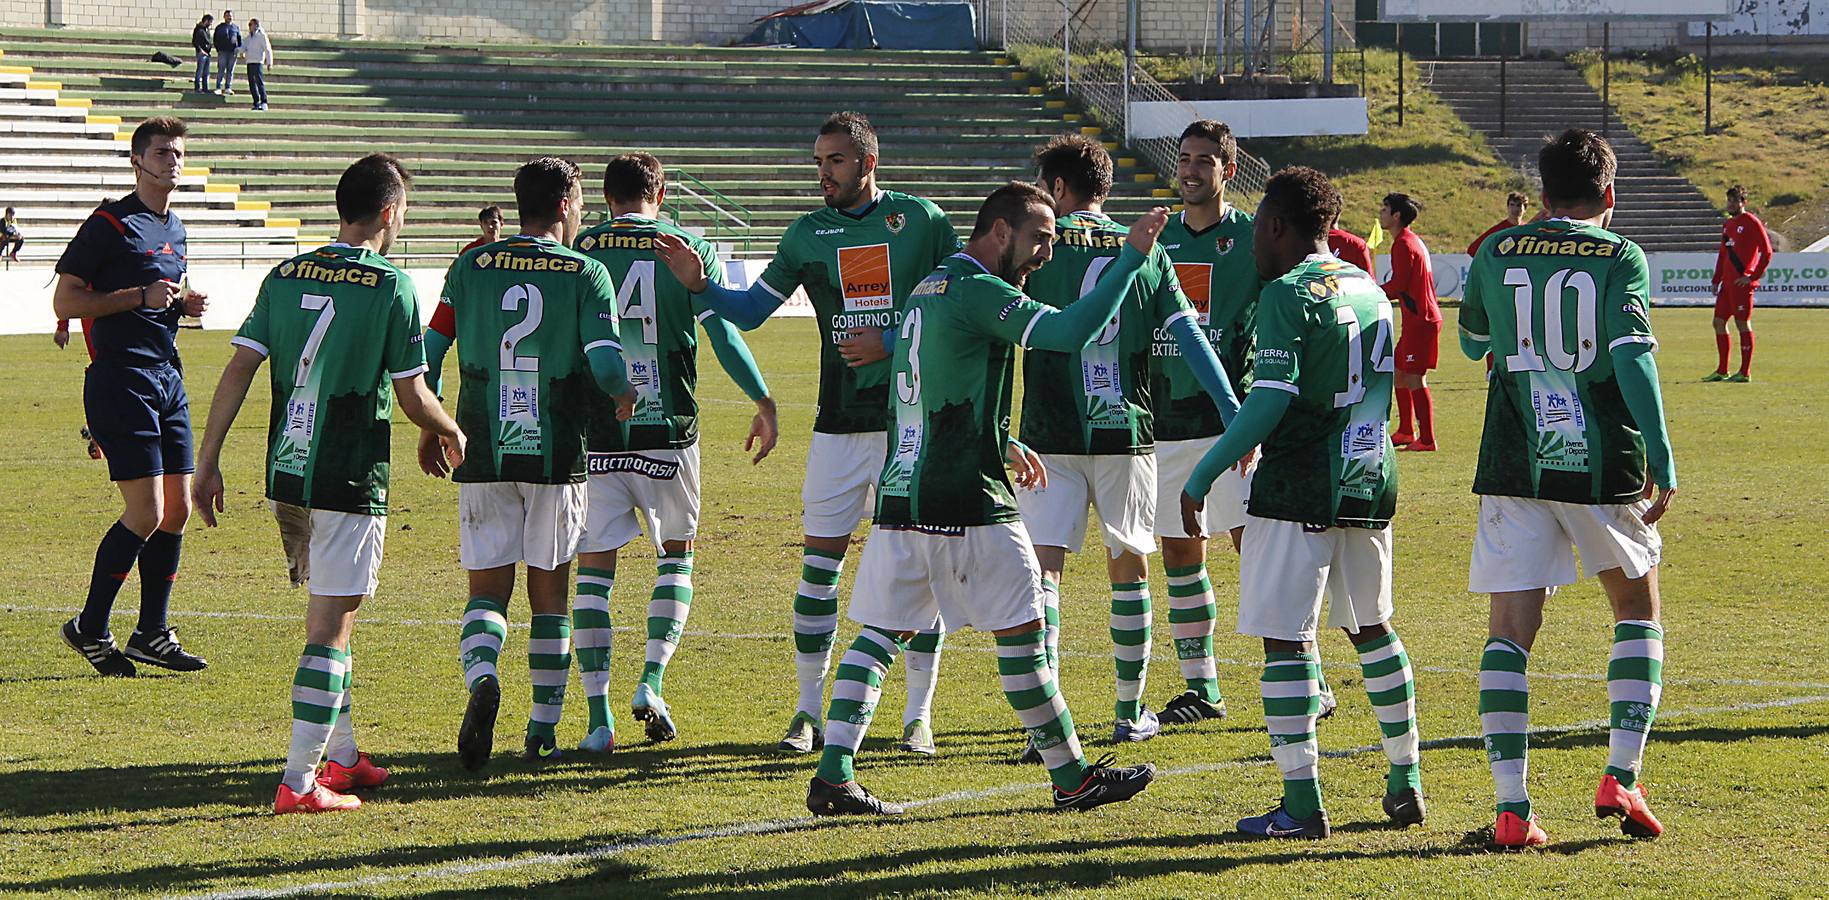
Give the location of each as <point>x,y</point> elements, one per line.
<point>1303,198</point>
<point>1078,160</point>
<point>634,178</point>
<point>1518,197</point>
<point>370,185</point>
<point>854,125</point>
<point>540,184</point>
<point>1738,193</point>
<point>489,212</point>
<point>1219,133</point>
<point>1576,166</point>
<point>1010,203</point>
<point>157,126</point>
<point>1405,206</point>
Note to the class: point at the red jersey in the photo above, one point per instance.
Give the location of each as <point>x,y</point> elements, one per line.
<point>1351,248</point>
<point>1746,250</point>
<point>1473,249</point>
<point>473,245</point>
<point>88,340</point>
<point>1412,283</point>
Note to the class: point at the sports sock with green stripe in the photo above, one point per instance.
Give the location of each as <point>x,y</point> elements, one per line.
<point>1635,683</point>
<point>923,662</point>
<point>591,639</point>
<point>815,625</point>
<point>667,611</point>
<point>1051,618</point>
<point>1291,690</point>
<point>1191,615</point>
<point>485,627</point>
<point>1505,722</point>
<point>549,666</point>
<point>1030,686</point>
<point>1130,644</point>
<point>856,687</point>
<point>1392,689</point>
<point>342,747</point>
<point>317,697</point>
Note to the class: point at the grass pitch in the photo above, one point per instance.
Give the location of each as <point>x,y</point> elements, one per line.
<point>162,785</point>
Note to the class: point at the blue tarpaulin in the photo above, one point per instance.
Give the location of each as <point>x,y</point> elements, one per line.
<point>871,25</point>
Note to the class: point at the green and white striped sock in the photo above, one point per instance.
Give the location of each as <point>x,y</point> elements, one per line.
<point>1505,722</point>
<point>317,696</point>
<point>591,638</point>
<point>667,611</point>
<point>1291,688</point>
<point>856,687</point>
<point>1051,617</point>
<point>815,625</point>
<point>485,628</point>
<point>549,666</point>
<point>1191,615</point>
<point>1635,683</point>
<point>1392,689</point>
<point>1130,640</point>
<point>923,662</point>
<point>1030,686</point>
<point>342,747</point>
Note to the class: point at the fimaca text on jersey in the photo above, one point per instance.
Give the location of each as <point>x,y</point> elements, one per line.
<point>515,262</point>
<point>1526,245</point>
<point>311,271</point>
<point>1087,237</point>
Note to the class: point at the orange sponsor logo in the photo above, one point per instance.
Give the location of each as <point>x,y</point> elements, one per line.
<point>863,277</point>
<point>1197,282</point>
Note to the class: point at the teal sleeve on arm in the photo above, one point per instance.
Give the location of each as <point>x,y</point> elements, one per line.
<point>733,354</point>
<point>607,367</point>
<point>1637,374</point>
<point>1076,326</point>
<point>745,309</point>
<point>1208,370</point>
<point>1264,407</point>
<point>436,346</point>
<point>1474,347</point>
<point>889,338</point>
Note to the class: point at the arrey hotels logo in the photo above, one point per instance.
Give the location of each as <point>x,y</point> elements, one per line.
<point>863,275</point>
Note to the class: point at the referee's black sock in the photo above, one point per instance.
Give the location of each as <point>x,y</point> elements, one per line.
<point>158,569</point>
<point>113,560</point>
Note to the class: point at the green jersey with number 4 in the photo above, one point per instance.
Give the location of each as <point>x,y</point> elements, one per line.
<point>338,324</point>
<point>1218,275</point>
<point>857,269</point>
<point>1555,298</point>
<point>1324,335</point>
<point>659,329</point>
<point>526,310</point>
<point>1097,401</point>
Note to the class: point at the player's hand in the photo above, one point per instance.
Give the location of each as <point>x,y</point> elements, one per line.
<point>61,338</point>
<point>862,347</point>
<point>1190,516</point>
<point>625,404</point>
<point>431,455</point>
<point>682,261</point>
<point>1743,281</point>
<point>161,294</point>
<point>196,304</point>
<point>454,445</point>
<point>1659,506</point>
<point>1144,231</point>
<point>1244,462</point>
<point>206,493</point>
<point>1026,466</point>
<point>764,430</point>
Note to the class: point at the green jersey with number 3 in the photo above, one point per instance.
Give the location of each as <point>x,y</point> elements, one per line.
<point>1218,275</point>
<point>1555,298</point>
<point>659,330</point>
<point>1098,401</point>
<point>338,324</point>
<point>526,310</point>
<point>857,269</point>
<point>1324,336</point>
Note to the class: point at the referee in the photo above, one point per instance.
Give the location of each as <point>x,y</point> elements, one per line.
<point>123,270</point>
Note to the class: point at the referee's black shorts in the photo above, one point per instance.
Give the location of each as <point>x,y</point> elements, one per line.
<point>141,418</point>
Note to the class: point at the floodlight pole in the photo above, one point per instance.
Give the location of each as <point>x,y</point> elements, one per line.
<point>1606,75</point>
<point>1250,48</point>
<point>1219,40</point>
<point>1130,60</point>
<point>1066,48</point>
<point>1327,41</point>
<point>1504,53</point>
<point>1708,81</point>
<point>1400,75</point>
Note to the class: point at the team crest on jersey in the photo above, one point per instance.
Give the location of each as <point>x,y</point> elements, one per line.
<point>1506,245</point>
<point>1223,245</point>
<point>895,222</point>
<point>590,243</point>
<point>285,269</point>
<point>482,260</point>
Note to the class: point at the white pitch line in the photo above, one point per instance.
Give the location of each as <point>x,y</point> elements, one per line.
<point>1699,681</point>
<point>769,826</point>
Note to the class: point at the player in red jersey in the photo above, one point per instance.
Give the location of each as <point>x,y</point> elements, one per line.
<point>1515,205</point>
<point>1412,288</point>
<point>1351,248</point>
<point>1746,251</point>
<point>491,221</point>
<point>62,339</point>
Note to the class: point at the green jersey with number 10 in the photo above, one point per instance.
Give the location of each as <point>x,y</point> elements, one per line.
<point>1324,335</point>
<point>526,310</point>
<point>1555,298</point>
<point>338,325</point>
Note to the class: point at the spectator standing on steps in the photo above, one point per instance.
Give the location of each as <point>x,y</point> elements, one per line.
<point>201,41</point>
<point>259,53</point>
<point>228,44</point>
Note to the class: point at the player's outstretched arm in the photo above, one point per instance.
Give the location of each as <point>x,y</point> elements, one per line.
<point>607,367</point>
<point>442,443</point>
<point>1208,370</point>
<point>1074,327</point>
<point>1263,409</point>
<point>207,486</point>
<point>733,355</point>
<point>437,344</point>
<point>1637,374</point>
<point>745,309</point>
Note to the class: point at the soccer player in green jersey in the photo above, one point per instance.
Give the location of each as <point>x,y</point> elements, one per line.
<point>650,463</point>
<point>535,324</point>
<point>857,259</point>
<point>1573,422</point>
<point>1319,522</point>
<point>948,539</point>
<point>341,324</point>
<point>1090,412</point>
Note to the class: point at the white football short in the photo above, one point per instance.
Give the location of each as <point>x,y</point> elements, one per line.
<point>1225,510</point>
<point>982,576</point>
<point>344,551</point>
<point>1122,487</point>
<point>500,523</point>
<point>840,488</point>
<point>1525,544</point>
<point>1286,569</point>
<point>661,485</point>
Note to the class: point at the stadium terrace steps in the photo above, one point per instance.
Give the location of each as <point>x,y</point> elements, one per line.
<point>739,120</point>
<point>1656,207</point>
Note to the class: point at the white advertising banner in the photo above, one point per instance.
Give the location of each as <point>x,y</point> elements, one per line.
<point>1253,118</point>
<point>1523,10</point>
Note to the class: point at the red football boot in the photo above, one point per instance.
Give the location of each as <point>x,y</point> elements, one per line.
<point>318,799</point>
<point>1512,832</point>
<point>1635,818</point>
<point>364,774</point>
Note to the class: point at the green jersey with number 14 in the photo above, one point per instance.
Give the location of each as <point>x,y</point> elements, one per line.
<point>338,325</point>
<point>526,310</point>
<point>1324,335</point>
<point>1555,298</point>
<point>1218,275</point>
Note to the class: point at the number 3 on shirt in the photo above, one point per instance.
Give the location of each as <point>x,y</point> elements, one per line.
<point>1381,358</point>
<point>908,384</point>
